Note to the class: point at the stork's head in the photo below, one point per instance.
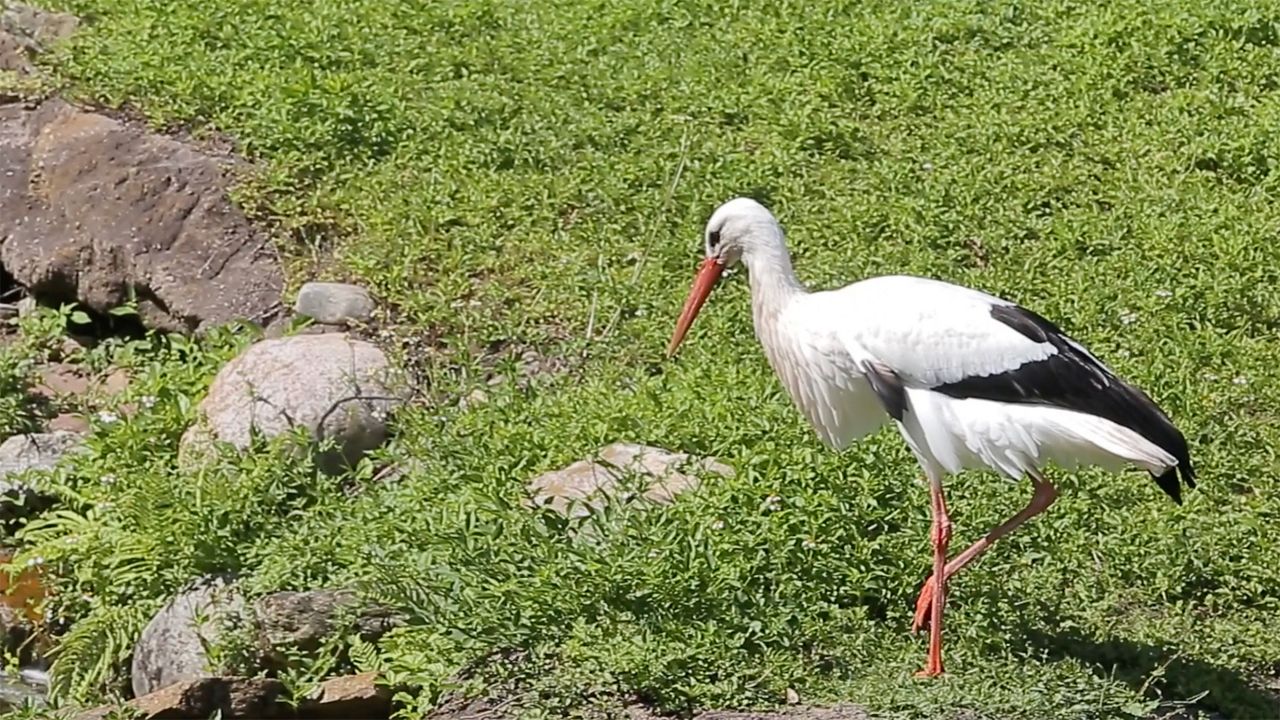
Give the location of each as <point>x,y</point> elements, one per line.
<point>740,228</point>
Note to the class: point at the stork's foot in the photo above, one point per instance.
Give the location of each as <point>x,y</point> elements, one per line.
<point>932,664</point>
<point>929,672</point>
<point>923,603</point>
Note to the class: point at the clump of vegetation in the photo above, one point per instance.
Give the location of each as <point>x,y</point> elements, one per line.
<point>536,176</point>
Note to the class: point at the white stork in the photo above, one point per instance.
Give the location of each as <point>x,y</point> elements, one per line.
<point>971,381</point>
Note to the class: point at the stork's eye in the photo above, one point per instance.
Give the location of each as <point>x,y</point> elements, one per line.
<point>713,238</point>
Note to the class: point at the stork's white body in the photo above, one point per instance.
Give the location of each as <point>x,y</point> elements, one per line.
<point>929,333</point>
<point>971,380</point>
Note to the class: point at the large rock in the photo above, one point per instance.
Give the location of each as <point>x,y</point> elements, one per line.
<point>21,453</point>
<point>171,648</point>
<point>585,485</point>
<point>336,387</point>
<point>26,31</point>
<point>304,620</point>
<point>97,211</point>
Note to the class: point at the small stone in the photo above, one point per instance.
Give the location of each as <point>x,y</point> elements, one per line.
<point>27,305</point>
<point>22,453</point>
<point>475,398</point>
<point>334,303</point>
<point>68,422</point>
<point>793,697</point>
<point>57,380</point>
<point>352,697</point>
<point>42,26</point>
<point>579,488</point>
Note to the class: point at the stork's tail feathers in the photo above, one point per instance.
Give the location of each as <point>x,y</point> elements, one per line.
<point>1168,481</point>
<point>1156,426</point>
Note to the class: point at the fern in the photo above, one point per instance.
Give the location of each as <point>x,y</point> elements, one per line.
<point>364,655</point>
<point>92,655</point>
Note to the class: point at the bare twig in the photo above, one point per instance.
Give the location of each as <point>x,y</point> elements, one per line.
<point>664,208</point>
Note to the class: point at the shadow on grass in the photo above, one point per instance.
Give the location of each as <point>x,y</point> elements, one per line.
<point>1154,668</point>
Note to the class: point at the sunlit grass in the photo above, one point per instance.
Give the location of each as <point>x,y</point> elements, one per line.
<point>537,175</point>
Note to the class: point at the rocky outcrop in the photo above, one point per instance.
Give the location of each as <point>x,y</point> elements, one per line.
<point>336,387</point>
<point>585,485</point>
<point>97,211</point>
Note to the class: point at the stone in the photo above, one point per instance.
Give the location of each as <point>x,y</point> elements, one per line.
<point>839,712</point>
<point>334,303</point>
<point>26,31</point>
<point>97,211</point>
<point>335,387</point>
<point>68,422</point>
<point>41,26</point>
<point>352,697</point>
<point>585,485</point>
<point>14,693</point>
<point>22,453</point>
<point>304,620</point>
<point>57,380</point>
<point>172,646</point>
<point>226,697</point>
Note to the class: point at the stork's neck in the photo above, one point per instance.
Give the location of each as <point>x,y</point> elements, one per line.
<point>773,281</point>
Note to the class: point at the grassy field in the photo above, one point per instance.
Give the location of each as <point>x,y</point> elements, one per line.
<point>534,176</point>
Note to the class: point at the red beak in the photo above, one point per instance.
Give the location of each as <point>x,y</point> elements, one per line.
<point>708,274</point>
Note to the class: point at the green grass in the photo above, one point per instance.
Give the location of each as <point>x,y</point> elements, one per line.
<point>536,175</point>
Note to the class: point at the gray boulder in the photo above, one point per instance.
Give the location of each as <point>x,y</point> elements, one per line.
<point>334,303</point>
<point>335,387</point>
<point>172,647</point>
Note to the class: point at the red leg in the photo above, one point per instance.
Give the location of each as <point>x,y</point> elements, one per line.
<point>941,536</point>
<point>1045,494</point>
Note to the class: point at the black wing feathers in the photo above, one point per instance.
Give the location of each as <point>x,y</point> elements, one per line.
<point>1073,379</point>
<point>888,387</point>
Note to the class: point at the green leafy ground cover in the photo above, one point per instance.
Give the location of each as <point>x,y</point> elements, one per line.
<point>535,175</point>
